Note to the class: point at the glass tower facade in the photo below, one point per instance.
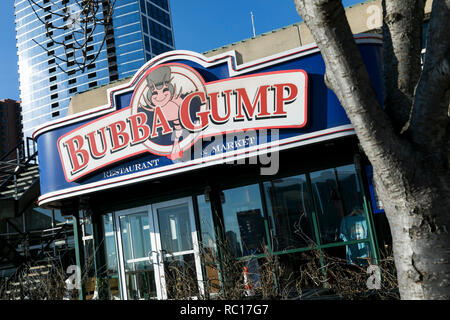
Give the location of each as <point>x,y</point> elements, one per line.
<point>141,29</point>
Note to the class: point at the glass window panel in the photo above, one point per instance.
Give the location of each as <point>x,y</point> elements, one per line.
<point>147,43</point>
<point>181,277</point>
<point>290,212</point>
<point>145,24</point>
<point>110,243</point>
<point>122,10</point>
<point>141,238</point>
<point>357,253</point>
<point>350,188</point>
<point>59,219</point>
<point>139,275</point>
<point>161,33</point>
<point>143,6</point>
<point>87,226</point>
<point>149,8</point>
<point>335,252</point>
<point>135,235</point>
<point>111,257</point>
<point>38,219</point>
<point>329,204</point>
<point>354,225</point>
<point>70,243</point>
<point>162,3</point>
<point>339,204</point>
<point>208,245</point>
<point>140,280</point>
<point>206,224</point>
<point>118,33</point>
<point>158,14</point>
<point>18,224</point>
<point>294,265</point>
<point>88,246</point>
<point>175,228</point>
<point>244,221</point>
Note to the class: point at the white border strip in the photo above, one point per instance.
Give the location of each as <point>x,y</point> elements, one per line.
<point>141,176</point>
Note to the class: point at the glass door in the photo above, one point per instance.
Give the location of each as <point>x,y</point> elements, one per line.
<point>159,252</point>
<point>138,259</point>
<point>177,242</point>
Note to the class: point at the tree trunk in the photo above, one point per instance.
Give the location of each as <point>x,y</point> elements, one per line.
<point>419,222</point>
<point>407,143</point>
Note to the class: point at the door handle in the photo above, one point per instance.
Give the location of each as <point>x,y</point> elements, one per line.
<point>150,256</point>
<point>163,253</point>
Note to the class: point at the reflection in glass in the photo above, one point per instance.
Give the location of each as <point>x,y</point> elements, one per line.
<point>139,273</point>
<point>354,227</point>
<point>181,277</point>
<point>289,208</point>
<point>177,248</point>
<point>140,280</point>
<point>88,245</point>
<point>110,243</point>
<point>206,224</point>
<point>15,225</point>
<point>175,228</point>
<point>244,221</point>
<point>37,219</point>
<point>294,265</point>
<point>340,209</point>
<point>59,218</point>
<point>87,224</point>
<point>329,204</point>
<point>351,189</point>
<point>208,245</point>
<point>111,258</point>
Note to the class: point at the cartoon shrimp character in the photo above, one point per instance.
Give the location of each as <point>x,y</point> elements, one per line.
<point>162,94</point>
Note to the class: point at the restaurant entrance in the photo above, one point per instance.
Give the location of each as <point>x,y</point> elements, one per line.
<point>156,243</point>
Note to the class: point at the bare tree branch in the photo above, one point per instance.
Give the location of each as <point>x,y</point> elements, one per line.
<point>402,43</point>
<point>82,18</point>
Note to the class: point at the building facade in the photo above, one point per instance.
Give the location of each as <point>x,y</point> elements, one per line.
<point>149,209</point>
<point>141,30</point>
<point>167,195</point>
<point>10,125</point>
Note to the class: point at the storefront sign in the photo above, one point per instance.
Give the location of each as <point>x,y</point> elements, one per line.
<point>174,100</point>
<point>183,111</point>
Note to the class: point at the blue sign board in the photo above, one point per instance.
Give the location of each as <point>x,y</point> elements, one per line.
<point>183,111</point>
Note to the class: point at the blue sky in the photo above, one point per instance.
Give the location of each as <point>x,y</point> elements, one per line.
<point>199,25</point>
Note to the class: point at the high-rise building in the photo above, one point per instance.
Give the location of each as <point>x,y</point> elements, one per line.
<point>140,30</point>
<point>10,126</point>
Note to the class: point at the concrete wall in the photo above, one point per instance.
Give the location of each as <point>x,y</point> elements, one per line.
<point>93,98</point>
<point>363,18</point>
